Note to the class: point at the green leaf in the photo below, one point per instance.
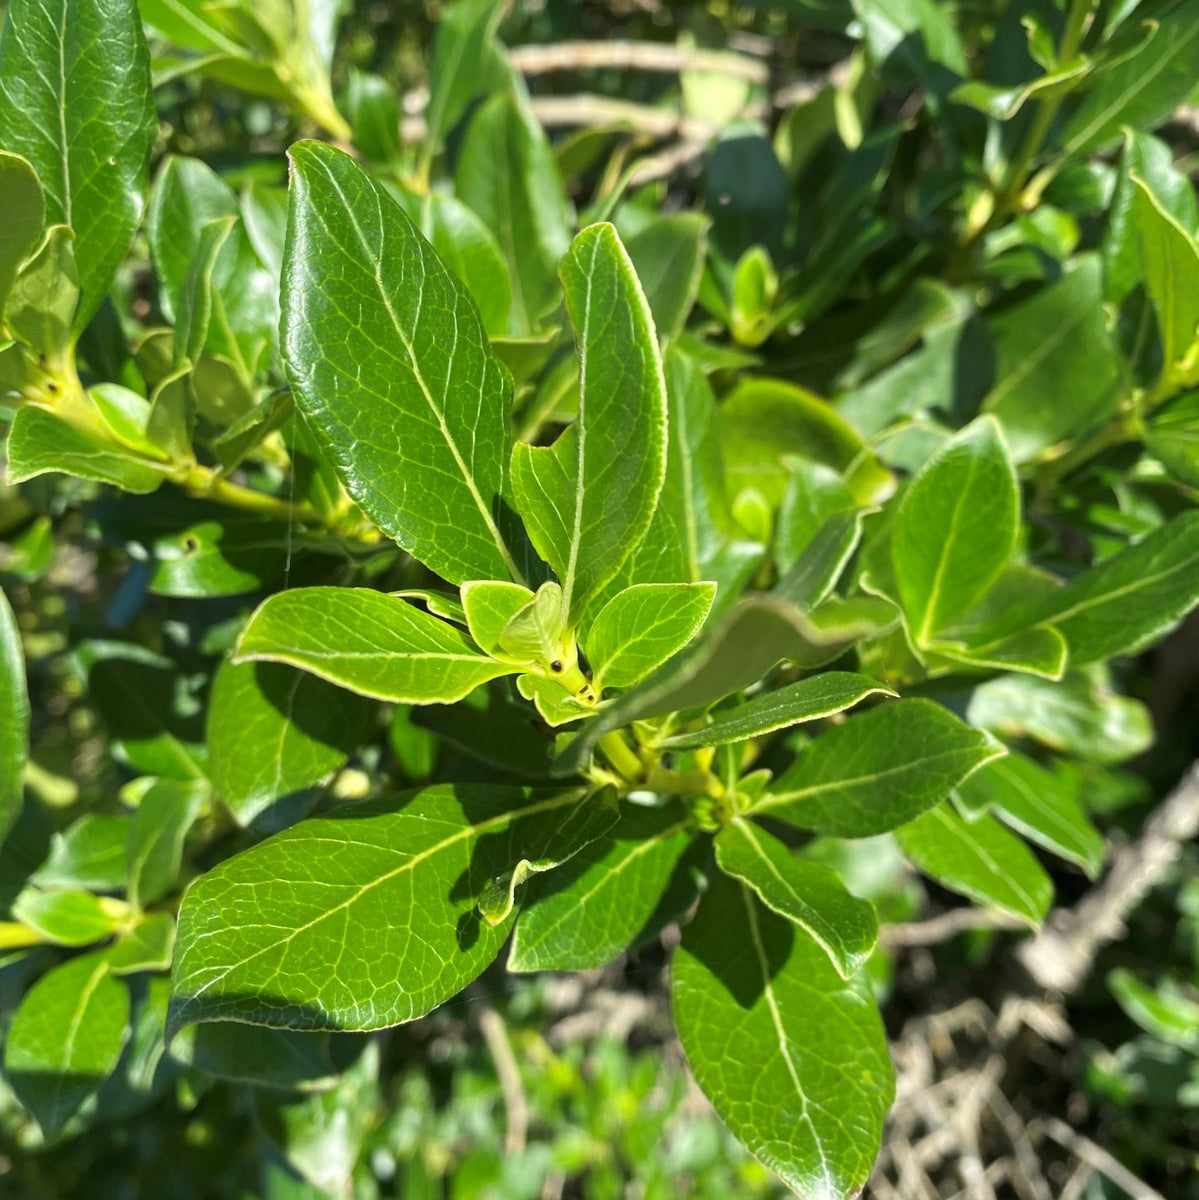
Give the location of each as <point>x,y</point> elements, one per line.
<point>758,1006</point>
<point>814,494</point>
<point>391,367</point>
<point>816,571</point>
<point>1173,438</point>
<point>464,64</point>
<point>1171,265</point>
<point>1080,715</point>
<point>75,101</point>
<point>1164,1012</point>
<point>14,718</point>
<point>807,893</point>
<point>1143,90</point>
<point>1036,804</point>
<point>506,173</point>
<point>275,737</point>
<point>166,810</point>
<point>89,854</point>
<point>489,605</point>
<point>146,946</point>
<point>371,643</point>
<point>44,297</point>
<point>263,936</point>
<point>1056,343</point>
<point>373,107</point>
<point>760,631</point>
<point>40,443</point>
<point>25,211</point>
<point>555,705</point>
<point>588,821</point>
<point>955,528</point>
<point>66,1038</point>
<point>535,632</point>
<point>588,500</point>
<point>643,626</point>
<point>766,421</point>
<point>807,700</point>
<point>668,256</point>
<point>1004,102</point>
<point>269,1058</point>
<point>979,859</point>
<point>69,918</point>
<point>879,770</point>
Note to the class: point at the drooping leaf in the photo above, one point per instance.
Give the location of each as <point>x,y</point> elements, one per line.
<point>25,209</point>
<point>608,896</point>
<point>66,1038</point>
<point>1037,804</point>
<point>879,770</point>
<point>588,500</point>
<point>263,936</point>
<point>807,893</point>
<point>14,718</point>
<point>275,737</point>
<point>166,810</point>
<point>955,528</point>
<point>807,700</point>
<point>643,626</point>
<point>372,643</point>
<point>391,367</point>
<point>75,102</point>
<point>757,1004</point>
<point>980,859</point>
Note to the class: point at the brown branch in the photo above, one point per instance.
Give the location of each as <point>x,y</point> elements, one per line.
<point>1098,1159</point>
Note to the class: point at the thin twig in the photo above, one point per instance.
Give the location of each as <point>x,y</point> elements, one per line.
<point>516,1106</point>
<point>1096,1156</point>
<point>637,56</point>
<point>949,924</point>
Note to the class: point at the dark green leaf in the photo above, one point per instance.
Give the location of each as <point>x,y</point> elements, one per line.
<point>25,211</point>
<point>668,255</point>
<point>166,810</point>
<point>271,1058</point>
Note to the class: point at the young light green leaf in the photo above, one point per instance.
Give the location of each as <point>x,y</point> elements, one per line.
<point>534,632</point>
<point>69,918</point>
<point>25,213</point>
<point>390,365</point>
<point>506,173</point>
<point>488,606</point>
<point>588,500</point>
<point>807,700</point>
<point>1165,1012</point>
<point>555,705</point>
<point>371,643</point>
<point>1036,804</point>
<point>589,820</point>
<point>955,529</point>
<point>757,1003</point>
<point>66,1038</point>
<point>146,946</point>
<point>399,879</point>
<point>275,736</point>
<point>44,297</point>
<point>166,810</point>
<point>815,572</point>
<point>814,494</point>
<point>643,626</point>
<point>75,102</point>
<point>981,860</point>
<point>88,854</point>
<point>14,718</point>
<point>808,893</point>
<point>1041,651</point>
<point>612,895</point>
<point>1079,715</point>
<point>880,770</point>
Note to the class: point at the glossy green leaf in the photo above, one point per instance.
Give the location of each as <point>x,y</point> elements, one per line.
<point>166,810</point>
<point>759,632</point>
<point>807,700</point>
<point>1143,90</point>
<point>69,918</point>
<point>758,1008</point>
<point>391,367</point>
<point>981,860</point>
<point>14,718</point>
<point>807,893</point>
<point>955,528</point>
<point>591,818</point>
<point>668,255</point>
<point>275,737</point>
<point>1037,804</point>
<point>66,1038</point>
<point>371,643</point>
<point>145,946</point>
<point>588,500</point>
<point>488,606</point>
<point>1042,651</point>
<point>608,897</point>
<point>506,173</point>
<point>40,443</point>
<point>642,626</point>
<point>1080,715</point>
<point>89,854</point>
<point>25,209</point>
<point>1056,343</point>
<point>373,107</point>
<point>398,879</point>
<point>75,101</point>
<point>879,770</point>
<point>1171,263</point>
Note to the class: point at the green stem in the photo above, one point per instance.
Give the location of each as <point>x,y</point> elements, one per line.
<point>205,484</point>
<point>621,756</point>
<point>1120,429</point>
